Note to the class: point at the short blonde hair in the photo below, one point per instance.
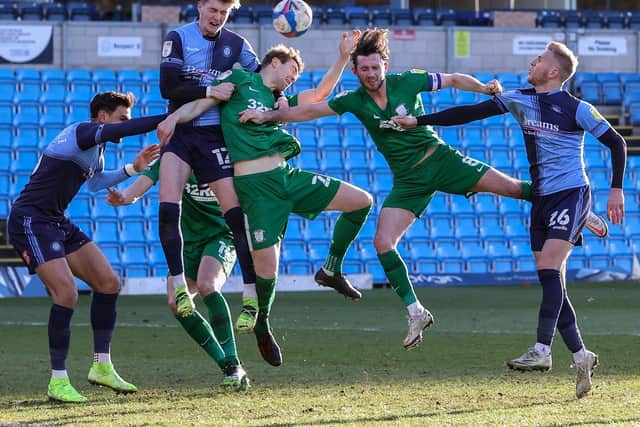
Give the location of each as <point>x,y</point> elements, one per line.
<point>284,54</point>
<point>567,60</point>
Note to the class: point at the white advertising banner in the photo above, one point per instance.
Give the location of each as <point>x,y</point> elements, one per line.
<point>602,46</point>
<point>119,46</point>
<point>286,283</point>
<point>26,44</point>
<point>530,44</point>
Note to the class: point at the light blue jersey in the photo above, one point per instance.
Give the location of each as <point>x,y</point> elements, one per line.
<point>553,125</point>
<point>200,60</point>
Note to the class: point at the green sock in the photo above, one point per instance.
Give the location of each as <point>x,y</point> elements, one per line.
<point>345,231</point>
<point>398,275</point>
<point>220,320</point>
<point>526,190</point>
<point>266,290</point>
<point>201,332</point>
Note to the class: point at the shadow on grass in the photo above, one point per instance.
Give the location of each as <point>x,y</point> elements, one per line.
<point>415,416</point>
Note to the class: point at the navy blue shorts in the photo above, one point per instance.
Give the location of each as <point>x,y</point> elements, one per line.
<point>560,215</point>
<point>202,148</point>
<point>38,240</point>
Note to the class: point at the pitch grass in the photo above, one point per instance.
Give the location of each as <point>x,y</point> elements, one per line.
<point>343,364</point>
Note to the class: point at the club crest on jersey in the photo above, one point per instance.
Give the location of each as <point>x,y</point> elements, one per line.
<point>226,51</point>
<point>258,236</point>
<point>166,48</point>
<point>401,110</point>
<point>417,71</point>
<point>556,109</point>
<point>56,247</point>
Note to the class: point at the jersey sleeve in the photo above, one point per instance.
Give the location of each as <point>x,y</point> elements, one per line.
<point>292,100</point>
<point>422,81</point>
<point>590,119</point>
<point>343,102</point>
<point>248,58</point>
<point>504,99</point>
<point>152,171</point>
<point>172,86</point>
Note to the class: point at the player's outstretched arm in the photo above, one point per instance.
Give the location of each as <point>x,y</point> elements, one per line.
<point>131,194</point>
<point>185,114</point>
<point>348,43</point>
<point>452,116</point>
<point>105,179</point>
<point>300,113</point>
<point>471,84</point>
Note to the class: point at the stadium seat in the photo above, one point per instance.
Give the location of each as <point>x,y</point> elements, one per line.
<point>357,16</point>
<point>133,230</point>
<point>549,19</point>
<point>54,12</point>
<point>441,228</point>
<point>263,14</point>
<point>400,17</point>
<point>418,232</point>
<point>30,12</point>
<point>106,231</point>
<point>590,92</point>
<point>26,159</point>
<point>102,210</point>
<point>335,16</point>
<point>331,160</point>
<point>20,179</point>
<point>79,11</point>
<point>5,184</point>
<point>424,17</point>
<point>8,11</point>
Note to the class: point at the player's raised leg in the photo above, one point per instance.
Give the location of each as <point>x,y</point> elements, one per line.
<point>494,181</point>
<point>174,173</point>
<point>355,205</point>
<point>89,264</point>
<point>392,224</point>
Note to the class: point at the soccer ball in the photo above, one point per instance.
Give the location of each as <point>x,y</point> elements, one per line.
<point>292,18</point>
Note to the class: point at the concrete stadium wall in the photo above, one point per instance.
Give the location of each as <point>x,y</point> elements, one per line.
<point>434,48</point>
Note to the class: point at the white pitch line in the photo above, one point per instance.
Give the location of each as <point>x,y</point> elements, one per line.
<point>322,328</point>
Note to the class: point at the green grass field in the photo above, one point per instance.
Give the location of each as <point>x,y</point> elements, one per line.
<point>343,364</point>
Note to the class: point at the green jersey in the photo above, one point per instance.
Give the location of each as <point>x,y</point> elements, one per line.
<point>402,148</point>
<point>247,141</point>
<point>201,217</point>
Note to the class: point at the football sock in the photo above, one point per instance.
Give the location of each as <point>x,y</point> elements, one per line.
<point>552,297</point>
<point>266,290</point>
<point>201,332</point>
<point>568,326</point>
<point>101,357</point>
<point>542,348</point>
<point>415,308</point>
<point>345,231</point>
<point>59,373</point>
<point>170,236</point>
<point>578,356</point>
<point>220,320</point>
<point>526,190</point>
<point>398,276</point>
<point>235,220</point>
<point>249,291</point>
<point>103,320</point>
<point>59,335</point>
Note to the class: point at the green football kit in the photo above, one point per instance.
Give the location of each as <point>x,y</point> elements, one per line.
<point>204,229</point>
<point>269,197</point>
<point>415,179</point>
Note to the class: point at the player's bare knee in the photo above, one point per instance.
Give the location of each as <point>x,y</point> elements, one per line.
<point>66,297</point>
<point>110,284</point>
<point>383,243</point>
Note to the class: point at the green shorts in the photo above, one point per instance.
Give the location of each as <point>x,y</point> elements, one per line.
<point>446,170</point>
<point>219,247</point>
<point>267,199</point>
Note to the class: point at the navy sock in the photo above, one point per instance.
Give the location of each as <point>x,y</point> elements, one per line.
<point>552,298</point>
<point>568,326</point>
<point>103,320</point>
<point>170,236</point>
<point>59,335</point>
<point>235,220</point>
